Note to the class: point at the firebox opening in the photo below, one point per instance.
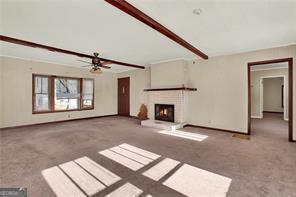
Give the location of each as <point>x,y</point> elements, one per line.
<point>164,112</point>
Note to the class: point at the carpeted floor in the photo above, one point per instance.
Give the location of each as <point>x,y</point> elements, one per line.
<point>265,165</point>
<point>272,126</point>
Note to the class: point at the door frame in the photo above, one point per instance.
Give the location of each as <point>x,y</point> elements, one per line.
<point>261,97</point>
<point>290,100</point>
<point>129,111</point>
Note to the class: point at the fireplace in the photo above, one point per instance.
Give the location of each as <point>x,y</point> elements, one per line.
<point>164,112</point>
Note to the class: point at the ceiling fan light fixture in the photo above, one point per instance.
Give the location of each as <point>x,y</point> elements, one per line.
<point>96,71</point>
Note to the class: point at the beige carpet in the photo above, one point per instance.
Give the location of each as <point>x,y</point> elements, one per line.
<point>261,166</point>
<point>272,126</point>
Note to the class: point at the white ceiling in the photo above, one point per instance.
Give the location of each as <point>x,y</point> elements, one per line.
<point>224,27</point>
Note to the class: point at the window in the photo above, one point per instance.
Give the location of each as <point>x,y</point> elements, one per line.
<point>41,93</point>
<point>54,94</point>
<point>87,94</point>
<point>67,94</point>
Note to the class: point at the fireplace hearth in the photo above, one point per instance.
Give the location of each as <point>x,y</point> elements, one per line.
<point>164,112</point>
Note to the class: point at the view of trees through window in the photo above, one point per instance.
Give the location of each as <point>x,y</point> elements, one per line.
<point>65,94</point>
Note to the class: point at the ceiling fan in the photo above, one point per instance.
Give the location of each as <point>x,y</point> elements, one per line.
<point>97,64</point>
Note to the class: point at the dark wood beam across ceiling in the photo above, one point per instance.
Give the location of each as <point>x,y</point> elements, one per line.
<point>54,49</point>
<point>138,14</point>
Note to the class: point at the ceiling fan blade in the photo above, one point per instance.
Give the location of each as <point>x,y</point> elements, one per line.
<point>86,65</point>
<point>54,49</point>
<point>107,67</point>
<point>106,63</point>
<point>84,61</point>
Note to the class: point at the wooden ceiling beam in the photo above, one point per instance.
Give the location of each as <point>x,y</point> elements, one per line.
<point>138,14</point>
<point>58,50</point>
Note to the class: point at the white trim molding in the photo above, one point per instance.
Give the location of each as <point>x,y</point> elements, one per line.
<point>259,117</point>
<point>275,68</point>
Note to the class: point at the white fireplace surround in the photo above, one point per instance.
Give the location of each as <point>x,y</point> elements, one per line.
<point>178,98</point>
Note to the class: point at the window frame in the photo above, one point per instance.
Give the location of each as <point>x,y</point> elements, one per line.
<point>51,93</point>
<point>34,94</point>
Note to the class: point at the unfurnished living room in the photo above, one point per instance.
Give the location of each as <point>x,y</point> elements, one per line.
<point>128,98</point>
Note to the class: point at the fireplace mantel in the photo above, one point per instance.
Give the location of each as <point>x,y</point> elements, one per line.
<point>170,89</point>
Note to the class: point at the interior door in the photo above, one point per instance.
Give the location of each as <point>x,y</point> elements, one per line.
<point>124,96</point>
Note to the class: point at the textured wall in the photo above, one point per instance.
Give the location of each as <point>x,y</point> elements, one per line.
<point>169,74</point>
<point>139,80</point>
<point>272,95</point>
<point>221,100</point>
<point>16,94</point>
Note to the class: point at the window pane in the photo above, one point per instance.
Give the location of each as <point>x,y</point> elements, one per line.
<point>41,102</point>
<point>66,104</point>
<point>37,84</point>
<point>44,86</point>
<point>67,94</point>
<point>87,96</point>
<point>87,89</point>
<point>87,103</point>
<point>41,84</point>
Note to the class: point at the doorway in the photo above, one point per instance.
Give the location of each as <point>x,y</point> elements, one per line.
<point>124,96</point>
<point>289,89</point>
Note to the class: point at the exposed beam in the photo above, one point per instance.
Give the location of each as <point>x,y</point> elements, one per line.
<point>138,14</point>
<point>58,50</point>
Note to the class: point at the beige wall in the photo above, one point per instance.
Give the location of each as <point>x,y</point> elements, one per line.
<point>255,89</point>
<point>139,80</point>
<point>221,99</point>
<point>169,74</point>
<point>272,94</point>
<point>16,92</point>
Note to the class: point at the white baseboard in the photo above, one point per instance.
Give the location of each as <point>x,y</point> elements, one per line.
<point>256,117</point>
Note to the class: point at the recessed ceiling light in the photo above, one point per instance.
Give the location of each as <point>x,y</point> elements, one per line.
<point>197,11</point>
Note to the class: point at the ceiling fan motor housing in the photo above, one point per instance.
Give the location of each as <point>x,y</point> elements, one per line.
<point>96,61</point>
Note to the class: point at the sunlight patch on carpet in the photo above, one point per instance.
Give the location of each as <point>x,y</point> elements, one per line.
<point>127,190</point>
<point>82,177</point>
<point>130,156</point>
<point>186,135</point>
<point>193,181</point>
<point>161,169</point>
